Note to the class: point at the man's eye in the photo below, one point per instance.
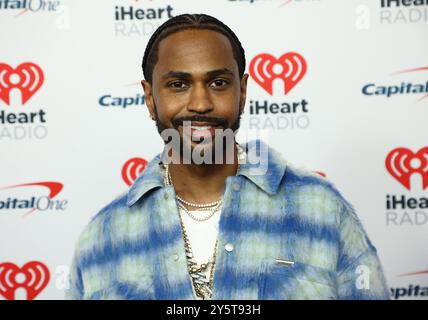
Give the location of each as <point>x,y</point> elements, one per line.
<point>177,85</point>
<point>219,83</point>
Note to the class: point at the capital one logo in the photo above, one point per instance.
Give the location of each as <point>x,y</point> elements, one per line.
<point>290,68</point>
<point>27,78</point>
<point>34,202</point>
<point>402,163</point>
<point>33,277</point>
<point>415,273</point>
<point>132,169</point>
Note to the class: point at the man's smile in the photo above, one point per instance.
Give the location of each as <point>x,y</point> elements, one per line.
<point>197,130</point>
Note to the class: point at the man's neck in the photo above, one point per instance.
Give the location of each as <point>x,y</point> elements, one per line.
<point>202,183</point>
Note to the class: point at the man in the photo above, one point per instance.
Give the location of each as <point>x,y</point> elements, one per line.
<point>191,229</point>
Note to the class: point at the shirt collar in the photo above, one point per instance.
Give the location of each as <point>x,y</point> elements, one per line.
<point>150,178</point>
<point>265,171</point>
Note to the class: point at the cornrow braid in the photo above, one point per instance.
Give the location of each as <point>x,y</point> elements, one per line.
<point>189,21</point>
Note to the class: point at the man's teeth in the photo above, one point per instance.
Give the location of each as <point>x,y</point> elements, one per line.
<point>201,127</point>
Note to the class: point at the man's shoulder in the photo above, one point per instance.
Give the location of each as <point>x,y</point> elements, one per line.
<point>311,186</point>
<point>121,211</point>
<point>297,182</point>
<point>118,204</point>
<point>95,230</point>
<point>301,177</point>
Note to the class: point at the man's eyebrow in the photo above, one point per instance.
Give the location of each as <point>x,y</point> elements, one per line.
<point>186,75</point>
<point>219,72</point>
<point>176,74</point>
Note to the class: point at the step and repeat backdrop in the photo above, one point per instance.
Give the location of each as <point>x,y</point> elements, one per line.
<point>75,132</point>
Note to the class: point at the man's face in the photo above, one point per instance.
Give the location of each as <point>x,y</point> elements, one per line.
<point>196,79</point>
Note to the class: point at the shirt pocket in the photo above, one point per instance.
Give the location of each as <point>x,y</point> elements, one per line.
<point>298,281</point>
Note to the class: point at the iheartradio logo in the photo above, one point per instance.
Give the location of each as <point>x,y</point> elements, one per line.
<point>132,169</point>
<point>401,163</point>
<point>290,68</point>
<point>27,78</point>
<point>33,277</point>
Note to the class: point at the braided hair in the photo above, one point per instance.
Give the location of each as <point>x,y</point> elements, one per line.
<point>189,21</point>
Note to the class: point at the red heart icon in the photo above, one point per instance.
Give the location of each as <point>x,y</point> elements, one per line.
<point>401,163</point>
<point>27,77</point>
<point>290,68</point>
<point>36,278</point>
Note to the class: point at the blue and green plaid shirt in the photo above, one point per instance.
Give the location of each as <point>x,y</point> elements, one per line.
<point>133,248</point>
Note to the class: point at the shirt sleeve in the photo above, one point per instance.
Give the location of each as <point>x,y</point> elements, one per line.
<point>360,274</point>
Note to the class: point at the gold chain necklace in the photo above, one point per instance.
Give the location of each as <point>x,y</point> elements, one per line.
<point>200,219</point>
<point>202,286</point>
<point>212,207</point>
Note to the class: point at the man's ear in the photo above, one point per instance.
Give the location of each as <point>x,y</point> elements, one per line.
<point>243,92</point>
<point>148,93</point>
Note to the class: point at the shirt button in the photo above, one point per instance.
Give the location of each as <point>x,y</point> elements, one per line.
<point>175,257</point>
<point>166,196</point>
<point>236,186</point>
<point>229,247</point>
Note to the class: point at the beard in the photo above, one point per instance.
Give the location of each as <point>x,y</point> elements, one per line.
<point>212,150</point>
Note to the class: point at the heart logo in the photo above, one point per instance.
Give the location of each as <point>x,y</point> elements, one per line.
<point>401,163</point>
<point>290,68</point>
<point>33,277</point>
<point>132,169</point>
<point>27,77</point>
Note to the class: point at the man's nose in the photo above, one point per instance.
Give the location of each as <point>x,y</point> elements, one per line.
<point>200,101</point>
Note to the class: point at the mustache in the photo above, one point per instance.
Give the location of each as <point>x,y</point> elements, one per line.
<point>215,122</point>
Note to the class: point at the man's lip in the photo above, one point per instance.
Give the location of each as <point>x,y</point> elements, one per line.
<point>201,124</point>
